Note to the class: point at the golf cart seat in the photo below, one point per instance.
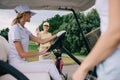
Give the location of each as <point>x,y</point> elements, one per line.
<point>7,72</point>
<point>30,76</point>
<point>92,37</point>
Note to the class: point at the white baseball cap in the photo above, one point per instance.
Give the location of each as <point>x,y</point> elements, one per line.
<point>23,8</point>
<point>46,23</point>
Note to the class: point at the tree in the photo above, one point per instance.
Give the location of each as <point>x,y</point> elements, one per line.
<point>4,33</point>
<point>73,40</point>
<point>54,22</point>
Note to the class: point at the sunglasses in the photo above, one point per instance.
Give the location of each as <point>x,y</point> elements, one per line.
<point>46,25</point>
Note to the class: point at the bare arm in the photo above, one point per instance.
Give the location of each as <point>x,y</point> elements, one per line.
<point>42,41</point>
<point>111,39</point>
<point>24,54</point>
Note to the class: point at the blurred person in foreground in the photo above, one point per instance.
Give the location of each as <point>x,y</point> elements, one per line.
<point>106,53</point>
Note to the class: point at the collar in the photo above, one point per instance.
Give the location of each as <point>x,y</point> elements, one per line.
<point>21,27</point>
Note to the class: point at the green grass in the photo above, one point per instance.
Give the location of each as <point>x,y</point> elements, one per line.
<point>34,48</point>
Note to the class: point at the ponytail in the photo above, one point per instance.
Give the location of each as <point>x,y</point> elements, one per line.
<point>17,19</point>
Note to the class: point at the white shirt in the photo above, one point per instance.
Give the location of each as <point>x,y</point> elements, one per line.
<point>18,33</point>
<point>102,9</point>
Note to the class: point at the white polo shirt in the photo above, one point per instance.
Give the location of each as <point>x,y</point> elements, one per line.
<point>109,68</point>
<point>18,33</point>
<point>102,9</point>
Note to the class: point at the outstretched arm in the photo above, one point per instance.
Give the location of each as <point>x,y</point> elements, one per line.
<point>111,39</point>
<point>24,54</point>
<point>42,41</point>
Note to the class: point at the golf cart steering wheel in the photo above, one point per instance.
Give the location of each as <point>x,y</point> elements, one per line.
<point>57,44</point>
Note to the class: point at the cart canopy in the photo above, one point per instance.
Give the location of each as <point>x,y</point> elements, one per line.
<point>78,5</point>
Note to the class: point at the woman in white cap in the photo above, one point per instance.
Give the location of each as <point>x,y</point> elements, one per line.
<point>42,35</point>
<point>106,53</point>
<point>19,38</point>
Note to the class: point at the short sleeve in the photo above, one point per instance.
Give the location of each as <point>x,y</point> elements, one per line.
<point>15,34</point>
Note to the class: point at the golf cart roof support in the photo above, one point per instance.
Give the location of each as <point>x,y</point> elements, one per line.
<point>69,54</point>
<point>81,31</point>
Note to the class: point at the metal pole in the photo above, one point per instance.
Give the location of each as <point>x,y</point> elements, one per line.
<point>69,54</point>
<point>81,31</point>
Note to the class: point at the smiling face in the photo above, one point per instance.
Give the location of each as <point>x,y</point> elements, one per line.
<point>46,26</point>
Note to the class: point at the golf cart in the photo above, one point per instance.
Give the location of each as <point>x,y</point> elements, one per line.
<point>57,46</point>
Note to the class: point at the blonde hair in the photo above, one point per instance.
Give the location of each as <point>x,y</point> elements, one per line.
<point>17,19</point>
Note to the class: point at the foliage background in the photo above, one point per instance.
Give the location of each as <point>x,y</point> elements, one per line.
<point>73,40</point>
